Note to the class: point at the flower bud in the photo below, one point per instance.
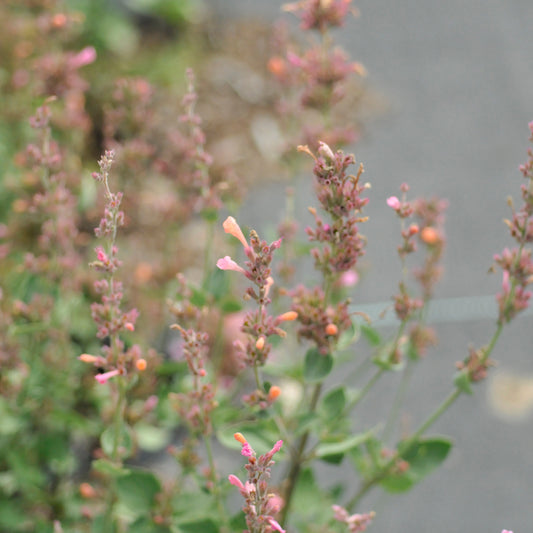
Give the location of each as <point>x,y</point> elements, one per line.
<point>430,235</point>
<point>332,329</point>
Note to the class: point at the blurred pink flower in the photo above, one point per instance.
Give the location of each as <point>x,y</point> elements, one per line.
<point>103,378</point>
<point>84,57</point>
<point>227,263</point>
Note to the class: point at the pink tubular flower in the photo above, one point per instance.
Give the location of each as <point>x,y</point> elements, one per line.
<point>261,505</point>
<point>227,263</point>
<point>506,531</point>
<point>275,525</point>
<point>235,481</point>
<point>84,57</point>
<point>230,226</point>
<point>103,378</point>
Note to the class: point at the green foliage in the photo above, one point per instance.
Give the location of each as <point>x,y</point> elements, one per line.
<point>317,366</point>
<point>137,490</point>
<point>423,456</point>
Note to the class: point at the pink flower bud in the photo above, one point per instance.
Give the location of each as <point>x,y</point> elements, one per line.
<point>326,152</point>
<point>289,316</point>
<point>88,358</point>
<point>393,202</point>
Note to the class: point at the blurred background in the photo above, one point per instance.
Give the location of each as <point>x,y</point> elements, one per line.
<point>451,87</point>
<point>445,108</point>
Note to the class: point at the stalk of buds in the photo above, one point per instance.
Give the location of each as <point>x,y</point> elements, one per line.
<point>260,506</point>
<point>107,314</point>
<point>342,245</point>
<point>258,325</point>
<point>516,263</point>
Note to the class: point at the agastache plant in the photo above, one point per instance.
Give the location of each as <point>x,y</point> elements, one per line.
<point>111,321</point>
<point>316,79</point>
<point>257,325</point>
<point>66,424</point>
<point>261,506</point>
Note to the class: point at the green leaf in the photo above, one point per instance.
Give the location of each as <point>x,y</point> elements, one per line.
<point>462,382</point>
<point>198,298</point>
<point>262,435</point>
<point>218,284</point>
<point>125,441</point>
<point>230,305</point>
<point>238,522</point>
<point>205,525</point>
<point>311,504</point>
<point>192,506</point>
<point>150,438</point>
<point>423,456</point>
<point>333,403</point>
<point>343,446</point>
<point>306,422</point>
<point>349,337</point>
<point>383,358</point>
<point>146,525</point>
<point>105,466</point>
<point>371,335</point>
<point>137,490</point>
<point>317,366</point>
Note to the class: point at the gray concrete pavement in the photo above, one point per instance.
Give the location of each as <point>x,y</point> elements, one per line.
<point>458,80</point>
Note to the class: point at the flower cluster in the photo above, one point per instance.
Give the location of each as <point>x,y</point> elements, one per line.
<point>196,405</point>
<point>355,522</point>
<point>52,206</point>
<point>261,506</point>
<point>318,77</point>
<point>321,14</point>
<point>516,263</point>
<point>319,322</point>
<point>258,325</point>
<point>428,231</point>
<point>430,215</point>
<point>339,194</point>
<point>107,314</point>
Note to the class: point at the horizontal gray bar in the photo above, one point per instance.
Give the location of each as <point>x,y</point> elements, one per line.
<point>441,310</point>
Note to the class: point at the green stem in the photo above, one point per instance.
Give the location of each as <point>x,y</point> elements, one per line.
<point>296,459</point>
<point>365,390</point>
<point>385,469</point>
<point>398,400</point>
<point>216,486</point>
<point>118,418</point>
<point>208,252</point>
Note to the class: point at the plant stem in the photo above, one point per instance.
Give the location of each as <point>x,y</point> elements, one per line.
<point>366,389</point>
<point>216,486</point>
<point>398,400</point>
<point>384,470</point>
<point>208,252</point>
<point>296,459</point>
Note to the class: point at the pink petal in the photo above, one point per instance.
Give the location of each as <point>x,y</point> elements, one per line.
<point>102,378</point>
<point>234,480</point>
<point>275,525</point>
<point>85,57</point>
<point>227,263</point>
<point>230,226</point>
